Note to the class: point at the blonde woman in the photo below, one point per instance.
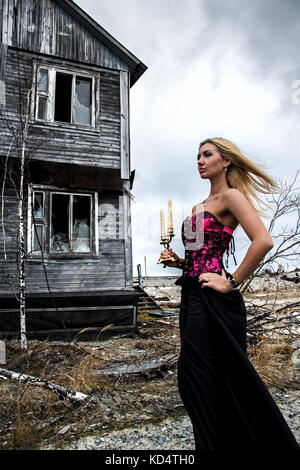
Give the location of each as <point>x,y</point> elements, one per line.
<point>228,404</point>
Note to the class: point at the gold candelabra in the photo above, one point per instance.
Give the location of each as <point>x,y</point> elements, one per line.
<point>166,240</point>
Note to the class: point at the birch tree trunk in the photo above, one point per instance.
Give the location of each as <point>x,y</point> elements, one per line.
<point>22,263</point>
<point>21,247</point>
<point>63,392</point>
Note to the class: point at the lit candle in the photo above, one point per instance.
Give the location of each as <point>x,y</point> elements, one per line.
<point>162,224</point>
<point>170,216</point>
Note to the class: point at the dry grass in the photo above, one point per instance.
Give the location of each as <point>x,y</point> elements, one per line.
<point>82,376</point>
<point>271,359</point>
<point>31,416</point>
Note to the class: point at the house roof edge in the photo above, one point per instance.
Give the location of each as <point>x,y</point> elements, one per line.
<point>136,67</point>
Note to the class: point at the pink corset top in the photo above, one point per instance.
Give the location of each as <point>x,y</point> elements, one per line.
<point>205,239</point>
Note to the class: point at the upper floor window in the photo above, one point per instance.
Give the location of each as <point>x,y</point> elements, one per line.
<point>63,96</point>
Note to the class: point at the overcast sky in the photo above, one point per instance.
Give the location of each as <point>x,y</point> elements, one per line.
<point>215,68</point>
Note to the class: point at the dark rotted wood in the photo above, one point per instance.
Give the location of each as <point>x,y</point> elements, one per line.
<point>75,176</point>
<point>47,312</point>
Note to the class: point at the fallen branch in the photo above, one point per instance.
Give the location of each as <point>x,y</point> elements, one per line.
<point>153,365</point>
<point>61,391</point>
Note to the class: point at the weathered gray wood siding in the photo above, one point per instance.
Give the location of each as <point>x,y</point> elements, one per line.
<point>37,33</point>
<point>106,270</point>
<point>44,27</point>
<point>99,146</point>
<point>8,243</point>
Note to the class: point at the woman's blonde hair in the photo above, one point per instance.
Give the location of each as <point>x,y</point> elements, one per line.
<point>244,175</point>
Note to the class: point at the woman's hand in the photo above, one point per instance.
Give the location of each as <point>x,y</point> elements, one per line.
<point>216,281</point>
<point>168,254</point>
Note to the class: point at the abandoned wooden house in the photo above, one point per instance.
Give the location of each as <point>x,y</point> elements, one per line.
<point>68,80</point>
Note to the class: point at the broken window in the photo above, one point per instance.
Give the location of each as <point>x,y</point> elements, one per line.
<point>61,222</point>
<point>64,96</point>
<point>70,223</point>
<point>81,224</point>
<point>38,214</point>
<point>60,212</point>
<point>38,204</point>
<point>38,238</point>
<point>64,101</point>
<point>42,94</point>
<point>83,101</point>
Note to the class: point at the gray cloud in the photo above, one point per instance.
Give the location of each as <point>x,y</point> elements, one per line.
<point>195,49</point>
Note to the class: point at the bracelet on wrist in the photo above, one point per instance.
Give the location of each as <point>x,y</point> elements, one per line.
<point>236,280</point>
<point>232,281</point>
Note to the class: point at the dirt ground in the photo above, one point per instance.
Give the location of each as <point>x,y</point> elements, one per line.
<point>32,417</point>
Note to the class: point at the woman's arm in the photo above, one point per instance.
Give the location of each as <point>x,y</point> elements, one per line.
<point>261,241</point>
<point>254,227</point>
<point>178,263</point>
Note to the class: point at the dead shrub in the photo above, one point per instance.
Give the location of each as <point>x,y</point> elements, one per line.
<point>82,377</point>
<point>271,359</point>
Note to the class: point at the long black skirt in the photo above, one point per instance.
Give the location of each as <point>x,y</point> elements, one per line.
<point>227,402</point>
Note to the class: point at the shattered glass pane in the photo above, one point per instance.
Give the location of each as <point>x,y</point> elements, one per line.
<point>38,244</point>
<point>81,242</point>
<point>38,204</point>
<point>59,242</point>
<point>43,81</point>
<point>42,108</point>
<point>83,101</point>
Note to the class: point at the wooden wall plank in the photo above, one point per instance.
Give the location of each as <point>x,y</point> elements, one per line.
<point>124,97</point>
<point>65,143</point>
<point>106,270</point>
<point>43,26</point>
<point>127,234</point>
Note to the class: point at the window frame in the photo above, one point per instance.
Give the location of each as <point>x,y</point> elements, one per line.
<point>42,94</point>
<point>37,222</point>
<point>71,222</point>
<point>38,251</point>
<point>50,95</point>
<point>46,222</point>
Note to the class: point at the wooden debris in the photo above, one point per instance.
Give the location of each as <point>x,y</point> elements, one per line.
<point>153,365</point>
<point>71,394</point>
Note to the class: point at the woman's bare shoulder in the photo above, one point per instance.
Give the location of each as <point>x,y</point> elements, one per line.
<point>233,193</point>
<point>234,196</point>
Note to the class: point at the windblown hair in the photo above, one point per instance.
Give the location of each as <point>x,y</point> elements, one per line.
<point>243,174</point>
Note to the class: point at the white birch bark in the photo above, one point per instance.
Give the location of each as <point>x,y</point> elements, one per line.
<point>22,254</point>
<point>64,392</point>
